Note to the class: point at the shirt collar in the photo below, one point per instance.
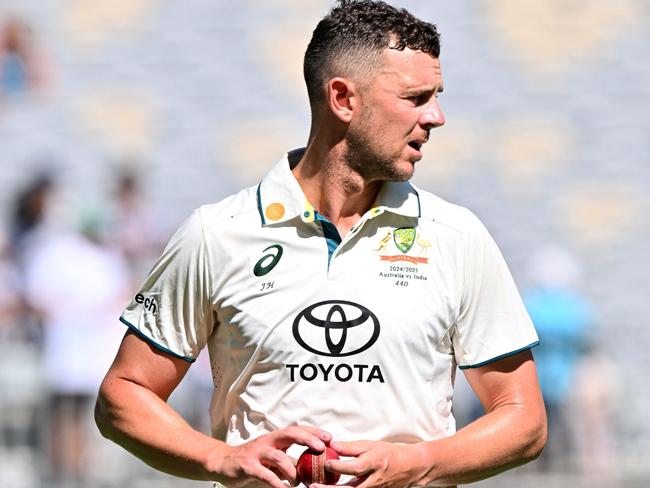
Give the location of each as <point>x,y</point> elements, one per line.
<point>280,198</point>
<point>398,197</point>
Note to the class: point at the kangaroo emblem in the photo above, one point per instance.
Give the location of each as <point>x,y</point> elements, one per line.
<point>384,242</point>
<point>424,245</point>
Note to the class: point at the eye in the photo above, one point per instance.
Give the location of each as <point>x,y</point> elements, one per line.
<point>421,98</point>
<point>418,99</point>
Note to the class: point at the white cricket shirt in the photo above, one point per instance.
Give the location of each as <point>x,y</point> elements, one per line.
<point>360,337</point>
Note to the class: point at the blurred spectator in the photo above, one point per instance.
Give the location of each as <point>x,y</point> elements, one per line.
<point>28,219</point>
<point>563,319</point>
<point>22,66</point>
<point>29,226</point>
<point>77,284</point>
<point>134,227</point>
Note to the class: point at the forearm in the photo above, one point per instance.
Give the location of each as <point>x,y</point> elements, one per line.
<point>145,425</point>
<point>502,439</point>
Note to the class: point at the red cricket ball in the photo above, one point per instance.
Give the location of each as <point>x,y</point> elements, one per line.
<point>311,467</point>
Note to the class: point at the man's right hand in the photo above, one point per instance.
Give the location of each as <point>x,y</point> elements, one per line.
<point>265,460</point>
<point>132,411</point>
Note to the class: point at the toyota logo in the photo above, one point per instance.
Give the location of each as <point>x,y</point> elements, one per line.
<point>336,328</point>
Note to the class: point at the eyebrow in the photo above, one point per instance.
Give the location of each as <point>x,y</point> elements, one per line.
<point>423,90</point>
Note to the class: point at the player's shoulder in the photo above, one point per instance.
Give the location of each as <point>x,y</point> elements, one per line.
<point>450,215</point>
<point>235,209</point>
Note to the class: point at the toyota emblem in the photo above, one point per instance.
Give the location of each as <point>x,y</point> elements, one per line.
<point>336,328</point>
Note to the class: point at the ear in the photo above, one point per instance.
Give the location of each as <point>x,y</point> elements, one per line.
<point>342,98</point>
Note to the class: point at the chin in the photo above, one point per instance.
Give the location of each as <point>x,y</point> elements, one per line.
<point>402,172</point>
<point>407,169</point>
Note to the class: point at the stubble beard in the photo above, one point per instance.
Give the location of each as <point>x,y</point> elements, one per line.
<point>367,159</point>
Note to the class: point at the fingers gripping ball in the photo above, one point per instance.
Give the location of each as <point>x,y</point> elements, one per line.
<point>311,467</point>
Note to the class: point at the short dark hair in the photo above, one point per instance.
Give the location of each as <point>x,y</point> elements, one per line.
<point>353,35</point>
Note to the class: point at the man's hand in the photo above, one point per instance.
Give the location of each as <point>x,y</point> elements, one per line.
<point>378,464</point>
<point>132,410</point>
<point>264,458</point>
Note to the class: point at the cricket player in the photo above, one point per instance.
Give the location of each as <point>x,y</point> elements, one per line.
<point>336,300</point>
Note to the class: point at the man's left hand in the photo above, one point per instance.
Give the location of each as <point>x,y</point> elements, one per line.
<point>378,464</point>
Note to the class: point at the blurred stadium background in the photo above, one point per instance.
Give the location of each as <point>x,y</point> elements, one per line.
<point>118,118</point>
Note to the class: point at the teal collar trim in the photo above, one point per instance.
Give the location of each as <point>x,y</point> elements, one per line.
<point>259,204</point>
<point>331,234</point>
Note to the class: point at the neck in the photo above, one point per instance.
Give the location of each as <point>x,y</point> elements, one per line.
<point>335,191</point>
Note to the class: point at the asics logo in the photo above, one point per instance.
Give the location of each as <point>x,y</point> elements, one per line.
<point>267,262</point>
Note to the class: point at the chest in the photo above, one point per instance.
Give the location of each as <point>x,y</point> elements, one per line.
<point>290,297</point>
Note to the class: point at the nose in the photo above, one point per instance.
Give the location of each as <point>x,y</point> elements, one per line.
<point>432,115</point>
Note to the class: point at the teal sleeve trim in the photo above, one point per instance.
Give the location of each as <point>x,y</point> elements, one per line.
<point>259,203</point>
<point>154,343</point>
<point>503,356</point>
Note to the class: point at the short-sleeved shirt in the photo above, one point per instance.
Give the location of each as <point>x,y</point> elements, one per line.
<point>360,336</point>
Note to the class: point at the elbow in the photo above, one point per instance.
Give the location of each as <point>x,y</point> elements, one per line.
<point>536,437</point>
<point>102,417</point>
<point>100,421</point>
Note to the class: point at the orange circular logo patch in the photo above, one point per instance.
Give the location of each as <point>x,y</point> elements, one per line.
<point>275,211</point>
